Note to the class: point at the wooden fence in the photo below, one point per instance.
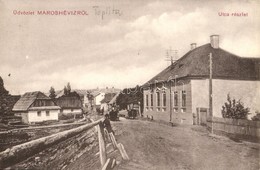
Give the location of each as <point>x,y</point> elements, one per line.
<point>240,127</point>
<point>21,152</point>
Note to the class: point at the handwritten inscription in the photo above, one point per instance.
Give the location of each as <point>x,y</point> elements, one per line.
<point>102,12</point>
<point>106,11</point>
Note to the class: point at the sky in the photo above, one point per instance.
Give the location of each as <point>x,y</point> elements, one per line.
<point>122,48</point>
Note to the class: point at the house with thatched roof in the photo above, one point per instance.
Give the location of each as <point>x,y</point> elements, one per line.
<point>70,104</point>
<point>177,92</point>
<point>36,107</point>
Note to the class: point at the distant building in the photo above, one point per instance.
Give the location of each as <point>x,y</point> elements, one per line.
<point>178,91</point>
<point>83,97</point>
<point>98,97</point>
<point>99,94</point>
<point>113,100</point>
<point>107,102</point>
<point>36,107</point>
<point>70,104</point>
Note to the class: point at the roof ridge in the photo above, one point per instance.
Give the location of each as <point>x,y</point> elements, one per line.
<point>195,62</point>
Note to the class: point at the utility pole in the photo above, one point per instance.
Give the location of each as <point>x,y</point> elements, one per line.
<point>171,55</point>
<point>210,91</point>
<point>170,100</point>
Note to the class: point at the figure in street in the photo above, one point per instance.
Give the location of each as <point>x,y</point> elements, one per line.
<point>107,124</point>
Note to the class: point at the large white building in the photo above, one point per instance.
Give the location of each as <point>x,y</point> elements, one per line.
<point>176,93</point>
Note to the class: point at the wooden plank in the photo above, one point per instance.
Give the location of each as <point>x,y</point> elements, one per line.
<point>113,139</point>
<point>122,151</point>
<point>102,144</point>
<point>107,136</point>
<point>105,167</point>
<point>113,163</point>
<point>43,127</point>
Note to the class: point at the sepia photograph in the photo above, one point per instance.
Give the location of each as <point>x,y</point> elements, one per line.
<point>130,85</point>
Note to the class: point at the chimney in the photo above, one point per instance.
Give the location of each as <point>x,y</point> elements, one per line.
<point>193,46</point>
<point>214,41</point>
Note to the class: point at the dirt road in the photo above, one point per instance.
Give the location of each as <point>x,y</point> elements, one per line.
<point>152,145</point>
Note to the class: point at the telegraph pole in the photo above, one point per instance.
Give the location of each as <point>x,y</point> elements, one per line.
<point>171,55</point>
<point>210,91</point>
<point>170,100</point>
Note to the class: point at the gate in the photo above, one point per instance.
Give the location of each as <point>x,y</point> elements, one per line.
<point>201,117</point>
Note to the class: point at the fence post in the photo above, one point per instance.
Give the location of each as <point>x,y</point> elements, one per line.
<point>113,139</point>
<point>102,144</point>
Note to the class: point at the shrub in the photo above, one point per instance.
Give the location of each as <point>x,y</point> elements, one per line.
<point>234,109</point>
<point>256,117</point>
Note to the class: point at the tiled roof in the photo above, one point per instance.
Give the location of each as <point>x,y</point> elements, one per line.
<point>195,63</point>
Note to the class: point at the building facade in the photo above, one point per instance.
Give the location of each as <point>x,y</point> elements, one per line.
<point>70,104</point>
<point>36,107</point>
<point>175,94</point>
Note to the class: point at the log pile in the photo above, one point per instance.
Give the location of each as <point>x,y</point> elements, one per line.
<point>18,153</point>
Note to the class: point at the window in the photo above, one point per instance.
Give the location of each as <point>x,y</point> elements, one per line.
<point>39,113</point>
<point>147,100</point>
<point>164,99</point>
<point>175,98</point>
<point>151,100</point>
<point>183,97</point>
<point>158,99</point>
<point>47,113</point>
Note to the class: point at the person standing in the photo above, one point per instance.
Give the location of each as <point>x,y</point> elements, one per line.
<point>107,124</point>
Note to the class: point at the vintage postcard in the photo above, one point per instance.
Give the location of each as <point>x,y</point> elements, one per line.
<point>130,84</point>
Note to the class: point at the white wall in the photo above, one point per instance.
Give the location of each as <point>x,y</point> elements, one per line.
<point>247,91</point>
<point>85,102</point>
<point>75,111</point>
<point>33,116</point>
<point>199,94</point>
<point>98,98</point>
<point>104,106</point>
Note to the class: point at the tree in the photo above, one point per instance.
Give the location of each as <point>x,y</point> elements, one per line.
<point>68,88</point>
<point>52,93</point>
<point>256,117</point>
<point>234,109</point>
<point>131,95</point>
<point>65,90</point>
<point>90,98</point>
<point>3,100</point>
<point>3,91</point>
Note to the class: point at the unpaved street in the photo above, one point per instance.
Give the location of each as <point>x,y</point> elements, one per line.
<point>151,145</point>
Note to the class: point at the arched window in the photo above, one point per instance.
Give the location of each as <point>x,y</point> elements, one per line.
<point>175,98</point>
<point>183,97</point>
<point>158,99</point>
<point>164,98</point>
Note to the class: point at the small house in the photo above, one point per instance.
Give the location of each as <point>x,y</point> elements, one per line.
<point>36,107</point>
<point>105,103</point>
<point>70,104</point>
